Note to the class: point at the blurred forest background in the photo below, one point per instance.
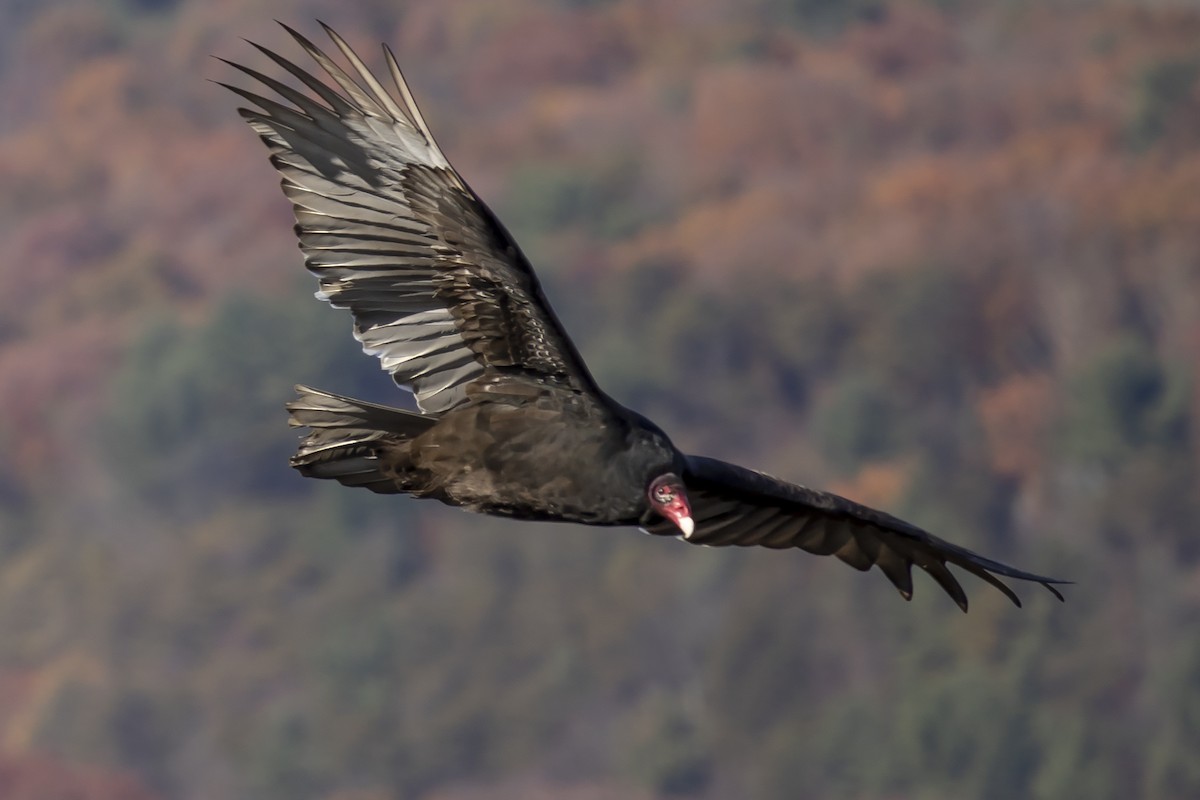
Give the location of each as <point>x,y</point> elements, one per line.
<point>942,256</point>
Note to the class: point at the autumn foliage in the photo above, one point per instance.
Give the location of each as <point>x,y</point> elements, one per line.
<point>938,255</point>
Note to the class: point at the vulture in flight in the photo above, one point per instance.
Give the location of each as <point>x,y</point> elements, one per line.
<point>510,420</point>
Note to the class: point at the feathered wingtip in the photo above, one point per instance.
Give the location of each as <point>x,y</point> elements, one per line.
<point>366,95</point>
<point>321,118</point>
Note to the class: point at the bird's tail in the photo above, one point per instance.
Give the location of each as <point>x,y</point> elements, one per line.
<point>346,436</point>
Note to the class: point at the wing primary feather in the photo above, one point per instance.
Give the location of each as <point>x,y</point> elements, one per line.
<point>302,101</point>
<point>276,112</point>
<point>410,104</point>
<point>980,572</point>
<point>898,570</point>
<point>365,105</point>
<point>977,564</point>
<point>372,84</point>
<point>335,100</point>
<point>947,581</point>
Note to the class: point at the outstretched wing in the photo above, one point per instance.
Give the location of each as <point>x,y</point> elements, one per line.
<point>439,290</point>
<point>732,505</point>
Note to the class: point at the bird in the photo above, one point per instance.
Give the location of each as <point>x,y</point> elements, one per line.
<point>509,420</point>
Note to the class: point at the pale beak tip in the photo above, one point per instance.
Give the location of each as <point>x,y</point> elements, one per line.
<point>687,525</point>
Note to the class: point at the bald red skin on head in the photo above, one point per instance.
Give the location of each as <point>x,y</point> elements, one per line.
<point>668,497</point>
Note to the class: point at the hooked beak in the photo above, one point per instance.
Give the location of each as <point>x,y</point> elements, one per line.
<point>678,512</point>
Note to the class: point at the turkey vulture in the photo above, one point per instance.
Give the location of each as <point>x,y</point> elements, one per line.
<point>511,422</point>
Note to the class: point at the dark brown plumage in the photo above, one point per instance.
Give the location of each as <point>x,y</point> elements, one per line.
<point>511,421</point>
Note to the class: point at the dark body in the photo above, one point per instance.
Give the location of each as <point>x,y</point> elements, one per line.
<point>511,422</point>
<point>520,457</point>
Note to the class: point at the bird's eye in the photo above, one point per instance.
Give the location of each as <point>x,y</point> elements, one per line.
<point>664,494</point>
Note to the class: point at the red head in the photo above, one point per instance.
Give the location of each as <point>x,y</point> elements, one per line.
<point>668,497</point>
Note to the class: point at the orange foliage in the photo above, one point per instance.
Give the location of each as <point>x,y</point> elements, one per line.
<point>750,120</point>
<point>42,778</point>
<point>1160,197</point>
<point>536,48</point>
<point>15,690</point>
<point>1016,418</point>
<point>877,484</point>
<point>759,230</point>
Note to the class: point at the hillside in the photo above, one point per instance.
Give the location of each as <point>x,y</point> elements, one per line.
<point>937,255</point>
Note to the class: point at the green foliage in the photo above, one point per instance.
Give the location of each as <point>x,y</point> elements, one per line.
<point>1172,769</point>
<point>154,6</point>
<point>813,747</point>
<point>655,336</point>
<point>1149,498</point>
<point>967,730</point>
<point>664,746</point>
<point>823,17</point>
<point>607,199</point>
<point>857,422</point>
<point>1124,400</point>
<point>920,334</point>
<point>905,374</point>
<point>1164,88</point>
<point>584,4</point>
<point>197,413</point>
<point>1072,767</point>
<point>547,197</point>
